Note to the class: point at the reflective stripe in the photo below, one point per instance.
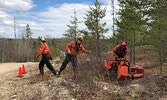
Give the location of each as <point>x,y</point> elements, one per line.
<point>45,51</point>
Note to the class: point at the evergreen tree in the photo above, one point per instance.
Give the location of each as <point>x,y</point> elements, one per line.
<point>28,32</point>
<point>130,24</point>
<point>158,26</point>
<point>73,31</point>
<point>95,27</point>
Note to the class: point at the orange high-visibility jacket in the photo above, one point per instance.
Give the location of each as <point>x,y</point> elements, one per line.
<point>120,50</point>
<point>44,50</point>
<point>72,47</point>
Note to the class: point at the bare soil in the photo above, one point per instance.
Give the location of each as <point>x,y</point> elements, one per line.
<point>8,67</point>
<point>33,86</point>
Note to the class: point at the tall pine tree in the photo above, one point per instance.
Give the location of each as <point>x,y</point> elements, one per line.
<point>158,28</point>
<point>73,31</point>
<point>28,32</point>
<point>130,24</point>
<point>96,28</point>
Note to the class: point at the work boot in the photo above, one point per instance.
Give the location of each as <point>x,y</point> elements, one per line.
<point>58,75</point>
<point>54,72</point>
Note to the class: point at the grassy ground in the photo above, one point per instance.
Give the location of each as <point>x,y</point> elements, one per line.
<point>92,83</point>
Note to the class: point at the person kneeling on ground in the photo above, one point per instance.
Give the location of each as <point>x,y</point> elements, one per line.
<point>73,49</point>
<point>46,56</point>
<point>120,51</point>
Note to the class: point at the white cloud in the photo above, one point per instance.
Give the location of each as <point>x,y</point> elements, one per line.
<point>7,22</point>
<point>3,14</point>
<point>53,21</point>
<point>64,11</point>
<point>5,18</point>
<point>1,30</point>
<point>12,5</point>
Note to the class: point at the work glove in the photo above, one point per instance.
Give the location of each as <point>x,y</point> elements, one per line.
<point>90,51</point>
<point>69,52</point>
<point>50,58</point>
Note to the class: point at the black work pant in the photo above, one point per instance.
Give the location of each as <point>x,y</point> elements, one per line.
<point>69,58</point>
<point>119,55</point>
<point>45,60</point>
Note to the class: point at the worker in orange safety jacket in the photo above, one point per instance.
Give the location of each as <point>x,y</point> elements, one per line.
<point>73,49</point>
<point>46,57</point>
<point>120,51</point>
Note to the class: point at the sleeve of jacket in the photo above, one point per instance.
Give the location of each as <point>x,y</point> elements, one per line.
<point>83,49</point>
<point>126,51</point>
<point>41,50</point>
<point>49,52</point>
<point>69,45</point>
<point>114,50</point>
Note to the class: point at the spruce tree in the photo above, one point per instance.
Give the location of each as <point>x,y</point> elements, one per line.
<point>158,28</point>
<point>73,31</point>
<point>130,24</point>
<point>28,32</point>
<point>95,27</point>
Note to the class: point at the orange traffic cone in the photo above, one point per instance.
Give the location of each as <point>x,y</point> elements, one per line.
<point>23,69</point>
<point>20,73</point>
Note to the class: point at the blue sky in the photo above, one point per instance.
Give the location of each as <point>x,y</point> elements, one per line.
<point>43,4</point>
<point>46,18</point>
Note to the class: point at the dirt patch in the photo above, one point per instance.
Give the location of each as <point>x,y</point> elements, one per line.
<point>93,83</point>
<point>33,85</point>
<point>8,67</point>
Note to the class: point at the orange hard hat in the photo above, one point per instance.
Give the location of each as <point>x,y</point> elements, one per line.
<point>123,43</point>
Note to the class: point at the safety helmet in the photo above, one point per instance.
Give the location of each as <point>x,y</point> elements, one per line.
<point>123,43</point>
<point>80,38</point>
<point>43,40</point>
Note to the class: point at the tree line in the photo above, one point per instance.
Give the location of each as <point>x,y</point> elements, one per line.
<point>26,48</point>
<point>141,23</point>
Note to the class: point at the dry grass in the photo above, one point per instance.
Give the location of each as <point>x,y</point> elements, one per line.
<point>92,83</point>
